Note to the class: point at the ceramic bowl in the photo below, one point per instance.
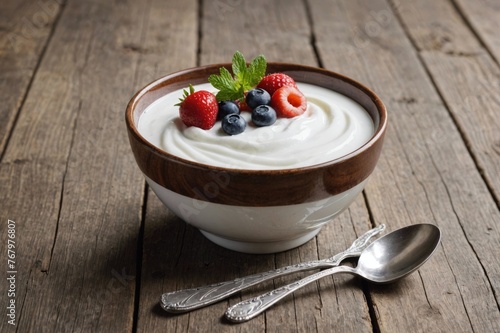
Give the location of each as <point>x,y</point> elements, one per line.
<point>257,211</point>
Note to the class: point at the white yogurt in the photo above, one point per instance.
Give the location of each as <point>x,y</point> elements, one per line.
<point>332,126</point>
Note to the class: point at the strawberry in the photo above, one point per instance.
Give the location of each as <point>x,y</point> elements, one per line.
<point>288,102</point>
<point>274,81</point>
<point>198,108</point>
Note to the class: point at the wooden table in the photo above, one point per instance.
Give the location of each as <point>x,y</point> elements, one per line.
<point>94,248</point>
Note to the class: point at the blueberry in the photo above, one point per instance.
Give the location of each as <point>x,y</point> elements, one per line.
<point>263,115</point>
<point>256,97</point>
<point>227,107</point>
<point>233,124</point>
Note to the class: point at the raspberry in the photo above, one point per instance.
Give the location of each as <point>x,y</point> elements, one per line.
<point>288,102</point>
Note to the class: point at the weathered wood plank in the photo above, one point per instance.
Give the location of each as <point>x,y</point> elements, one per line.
<point>25,27</point>
<point>425,174</point>
<point>468,79</point>
<point>30,196</point>
<point>277,29</point>
<point>483,16</point>
<point>75,192</point>
<point>70,183</point>
<point>466,76</point>
<point>167,45</point>
<point>30,193</point>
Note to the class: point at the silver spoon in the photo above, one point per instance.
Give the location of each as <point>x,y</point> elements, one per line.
<point>191,299</point>
<point>387,259</point>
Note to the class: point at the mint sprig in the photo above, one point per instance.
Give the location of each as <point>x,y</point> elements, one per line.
<point>245,77</point>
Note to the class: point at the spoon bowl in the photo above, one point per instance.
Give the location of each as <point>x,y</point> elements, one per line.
<point>387,259</point>
<point>398,253</point>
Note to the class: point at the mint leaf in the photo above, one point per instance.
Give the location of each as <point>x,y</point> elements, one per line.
<point>227,95</point>
<point>245,77</point>
<point>224,73</point>
<point>223,81</point>
<point>257,70</point>
<point>239,65</point>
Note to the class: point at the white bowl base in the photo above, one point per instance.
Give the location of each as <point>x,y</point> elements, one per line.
<point>260,247</point>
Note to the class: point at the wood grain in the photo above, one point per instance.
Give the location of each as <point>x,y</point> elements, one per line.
<point>95,248</point>
<point>470,92</point>
<point>419,175</point>
<point>278,29</point>
<point>482,16</point>
<point>70,158</point>
<point>25,28</point>
<point>466,76</point>
<point>31,188</point>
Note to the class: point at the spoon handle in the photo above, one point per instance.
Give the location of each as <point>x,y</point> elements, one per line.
<point>248,309</point>
<point>191,299</point>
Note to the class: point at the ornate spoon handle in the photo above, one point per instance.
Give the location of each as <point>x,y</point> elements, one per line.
<point>191,299</point>
<point>248,309</point>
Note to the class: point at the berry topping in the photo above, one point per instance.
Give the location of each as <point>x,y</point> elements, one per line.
<point>274,81</point>
<point>233,124</point>
<point>247,88</point>
<point>245,77</point>
<point>227,107</point>
<point>288,102</point>
<point>256,97</point>
<point>243,106</point>
<point>263,115</point>
<point>198,108</point>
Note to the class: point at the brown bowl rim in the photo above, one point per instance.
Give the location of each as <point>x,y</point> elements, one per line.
<point>378,134</point>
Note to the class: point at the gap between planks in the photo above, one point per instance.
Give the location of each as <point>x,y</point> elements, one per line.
<point>30,82</point>
<point>461,131</point>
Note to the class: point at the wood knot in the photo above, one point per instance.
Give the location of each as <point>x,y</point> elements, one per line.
<point>406,100</point>
<point>131,47</point>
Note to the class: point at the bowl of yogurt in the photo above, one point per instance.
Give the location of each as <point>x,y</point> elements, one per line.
<point>268,189</point>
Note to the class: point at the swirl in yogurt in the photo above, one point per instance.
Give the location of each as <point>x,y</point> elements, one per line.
<point>332,126</point>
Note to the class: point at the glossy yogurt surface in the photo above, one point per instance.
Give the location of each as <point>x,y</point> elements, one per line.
<point>332,126</point>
